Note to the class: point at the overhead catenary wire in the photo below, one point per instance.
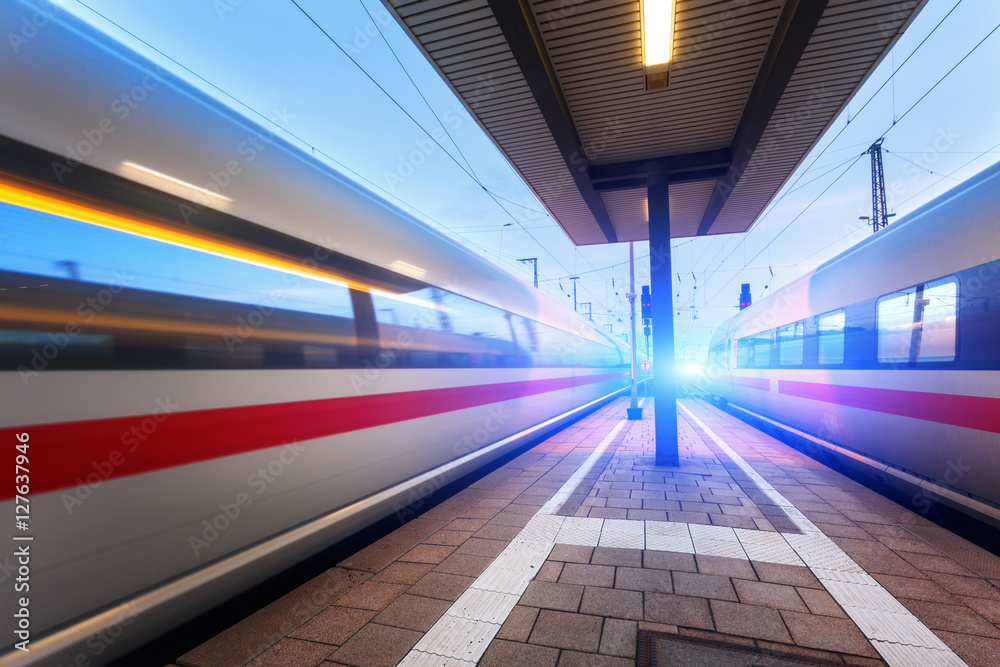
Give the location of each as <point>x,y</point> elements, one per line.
<point>888,129</point>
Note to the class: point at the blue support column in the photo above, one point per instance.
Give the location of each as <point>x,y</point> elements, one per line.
<point>662,289</point>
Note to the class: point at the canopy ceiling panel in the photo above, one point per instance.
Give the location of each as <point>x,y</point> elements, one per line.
<point>561,89</point>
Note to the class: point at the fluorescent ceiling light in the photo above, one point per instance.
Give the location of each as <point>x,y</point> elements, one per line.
<point>657,31</point>
<point>174,181</point>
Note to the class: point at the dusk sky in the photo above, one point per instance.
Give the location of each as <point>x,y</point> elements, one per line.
<point>268,57</point>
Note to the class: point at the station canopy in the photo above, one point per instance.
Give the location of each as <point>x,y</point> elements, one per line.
<point>575,95</point>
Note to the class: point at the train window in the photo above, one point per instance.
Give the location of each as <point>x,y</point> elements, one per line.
<point>743,353</point>
<point>421,309</point>
<point>831,337</point>
<point>790,344</point>
<point>918,324</point>
<point>762,349</point>
<point>527,340</point>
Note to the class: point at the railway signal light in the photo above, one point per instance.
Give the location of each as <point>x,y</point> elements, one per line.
<point>647,303</point>
<point>745,295</point>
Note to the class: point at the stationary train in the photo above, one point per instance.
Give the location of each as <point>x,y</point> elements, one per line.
<point>887,357</point>
<point>219,354</point>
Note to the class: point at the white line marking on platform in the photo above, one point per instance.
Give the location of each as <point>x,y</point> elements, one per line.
<point>899,636</point>
<point>562,495</point>
<point>465,631</point>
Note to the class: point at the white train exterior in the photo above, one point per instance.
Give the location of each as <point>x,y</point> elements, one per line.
<point>216,381</point>
<point>887,356</point>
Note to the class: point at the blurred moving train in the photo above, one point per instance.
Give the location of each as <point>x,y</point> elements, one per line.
<point>887,357</point>
<point>220,355</point>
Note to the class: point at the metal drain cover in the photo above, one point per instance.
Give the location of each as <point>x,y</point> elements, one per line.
<point>660,649</point>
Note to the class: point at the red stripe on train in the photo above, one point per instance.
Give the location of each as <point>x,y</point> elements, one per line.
<point>763,384</point>
<point>978,412</point>
<point>64,454</point>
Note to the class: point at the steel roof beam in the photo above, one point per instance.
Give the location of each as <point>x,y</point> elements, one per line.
<point>673,166</point>
<point>795,27</point>
<point>517,23</point>
<point>709,174</point>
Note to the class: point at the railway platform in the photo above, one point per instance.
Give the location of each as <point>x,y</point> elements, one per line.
<point>580,551</point>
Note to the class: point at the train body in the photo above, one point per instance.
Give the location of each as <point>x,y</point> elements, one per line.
<point>888,355</point>
<point>220,355</point>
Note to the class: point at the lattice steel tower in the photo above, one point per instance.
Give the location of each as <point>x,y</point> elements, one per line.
<point>880,216</point>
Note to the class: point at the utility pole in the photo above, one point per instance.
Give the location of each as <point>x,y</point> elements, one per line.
<point>634,412</point>
<point>533,260</point>
<point>574,279</point>
<point>880,217</point>
<point>590,309</point>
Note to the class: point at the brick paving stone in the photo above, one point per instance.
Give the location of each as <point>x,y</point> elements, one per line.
<point>548,595</point>
<point>588,575</point>
<point>549,571</point>
<point>909,544</point>
<point>612,603</point>
<point>464,564</point>
<point>618,638</point>
<point>885,563</point>
<point>647,515</point>
<point>976,651</point>
<point>403,573</point>
<point>820,602</point>
<point>718,637</point>
<point>608,512</point>
<point>564,630</point>
<point>776,596</point>
<point>916,589</point>
<point>450,538</point>
<point>953,618</point>
<point>441,586</point>
<point>570,553</point>
<point>698,506</point>
<point>413,612</point>
<point>988,609</point>
<point>376,646</point>
<point>625,503</point>
<point>616,556</point>
<point>658,627</point>
<point>732,521</point>
<point>704,586</point>
<point>669,560</point>
<point>577,659</point>
<point>505,654</point>
<point>639,579</point>
<point>292,653</point>
<point>747,620</point>
<point>494,532</point>
<point>935,563</point>
<point>427,553</point>
<point>506,518</point>
<point>837,530</point>
<point>972,587</point>
<point>518,625</point>
<point>728,567</point>
<point>372,595</point>
<point>827,633</point>
<point>661,505</point>
<point>689,517</point>
<point>793,575</point>
<point>679,610</point>
<point>465,524</point>
<point>334,625</point>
